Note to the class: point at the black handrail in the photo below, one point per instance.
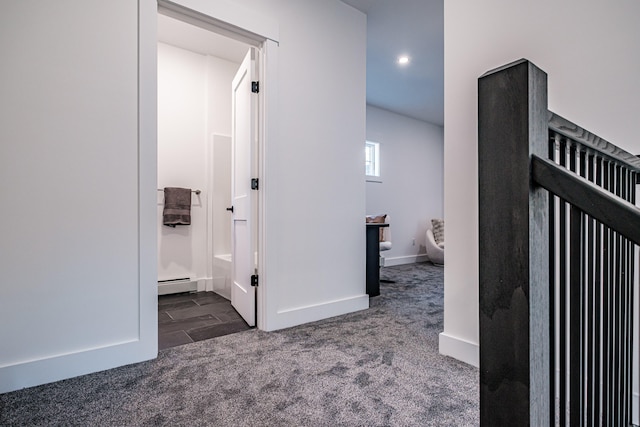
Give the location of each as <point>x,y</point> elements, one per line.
<point>606,207</point>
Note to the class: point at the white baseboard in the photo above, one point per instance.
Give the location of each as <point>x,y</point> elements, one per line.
<point>401,260</point>
<point>297,316</point>
<point>460,349</point>
<point>205,285</point>
<point>81,362</point>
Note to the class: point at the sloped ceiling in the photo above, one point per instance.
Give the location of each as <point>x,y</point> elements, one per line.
<point>405,27</point>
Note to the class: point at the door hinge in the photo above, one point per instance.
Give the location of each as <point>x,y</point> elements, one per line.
<point>255,185</point>
<point>255,87</point>
<point>254,280</point>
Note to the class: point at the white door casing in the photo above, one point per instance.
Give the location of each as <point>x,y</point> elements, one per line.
<point>244,143</point>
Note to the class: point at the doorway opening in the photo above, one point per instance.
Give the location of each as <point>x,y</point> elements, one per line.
<point>205,142</point>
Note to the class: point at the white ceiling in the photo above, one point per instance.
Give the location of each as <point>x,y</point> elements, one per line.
<point>394,27</point>
<point>405,27</point>
<point>186,36</point>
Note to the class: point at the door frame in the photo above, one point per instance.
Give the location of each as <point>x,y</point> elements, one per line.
<point>255,29</point>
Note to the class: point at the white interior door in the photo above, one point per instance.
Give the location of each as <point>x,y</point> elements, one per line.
<point>243,295</point>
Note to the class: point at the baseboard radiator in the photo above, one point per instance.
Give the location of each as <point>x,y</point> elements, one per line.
<point>175,286</point>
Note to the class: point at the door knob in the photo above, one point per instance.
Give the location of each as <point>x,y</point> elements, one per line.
<point>230,209</point>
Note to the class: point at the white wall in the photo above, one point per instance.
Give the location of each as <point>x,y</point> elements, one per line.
<point>78,152</point>
<point>182,125</point>
<point>194,102</point>
<point>313,179</point>
<point>77,286</point>
<point>411,191</point>
<point>590,53</point>
<point>220,74</point>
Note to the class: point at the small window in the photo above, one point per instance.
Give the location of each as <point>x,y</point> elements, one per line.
<point>372,161</point>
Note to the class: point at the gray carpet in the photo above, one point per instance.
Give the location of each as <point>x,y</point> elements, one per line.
<point>378,367</point>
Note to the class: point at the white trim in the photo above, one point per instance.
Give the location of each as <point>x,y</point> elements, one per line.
<point>228,18</point>
<point>407,259</point>
<point>460,349</point>
<point>147,182</point>
<point>311,313</point>
<point>69,365</point>
<point>268,118</point>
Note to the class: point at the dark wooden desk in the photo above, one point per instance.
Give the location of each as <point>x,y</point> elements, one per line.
<point>373,258</point>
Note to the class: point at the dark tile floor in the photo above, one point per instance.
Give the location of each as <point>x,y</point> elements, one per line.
<point>195,316</point>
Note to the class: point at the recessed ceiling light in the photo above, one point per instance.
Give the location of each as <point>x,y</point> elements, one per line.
<point>403,60</point>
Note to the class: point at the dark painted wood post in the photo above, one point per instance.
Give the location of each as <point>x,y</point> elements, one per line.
<point>373,258</point>
<point>513,248</point>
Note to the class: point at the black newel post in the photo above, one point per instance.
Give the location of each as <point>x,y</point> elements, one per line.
<point>513,248</point>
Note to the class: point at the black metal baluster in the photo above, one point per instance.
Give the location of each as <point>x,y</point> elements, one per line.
<point>622,329</point>
<point>589,305</point>
<point>597,398</point>
<point>606,246</point>
<point>617,284</point>
<point>611,390</point>
<point>597,309</point>
<point>624,347</point>
<point>632,288</point>
<point>553,203</point>
<point>630,307</point>
<point>574,309</point>
<point>562,300</point>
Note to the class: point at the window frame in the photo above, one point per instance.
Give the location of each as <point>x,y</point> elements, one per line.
<point>377,177</point>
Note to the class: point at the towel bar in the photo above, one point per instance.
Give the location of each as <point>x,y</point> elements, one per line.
<point>193,191</point>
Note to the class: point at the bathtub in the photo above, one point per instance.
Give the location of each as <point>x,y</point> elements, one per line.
<point>222,275</point>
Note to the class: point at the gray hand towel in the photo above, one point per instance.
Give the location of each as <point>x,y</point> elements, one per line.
<point>177,206</point>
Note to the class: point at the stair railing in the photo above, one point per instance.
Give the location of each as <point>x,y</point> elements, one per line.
<point>558,229</point>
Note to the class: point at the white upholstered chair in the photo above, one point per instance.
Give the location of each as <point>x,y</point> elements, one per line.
<point>435,242</point>
<point>385,240</point>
